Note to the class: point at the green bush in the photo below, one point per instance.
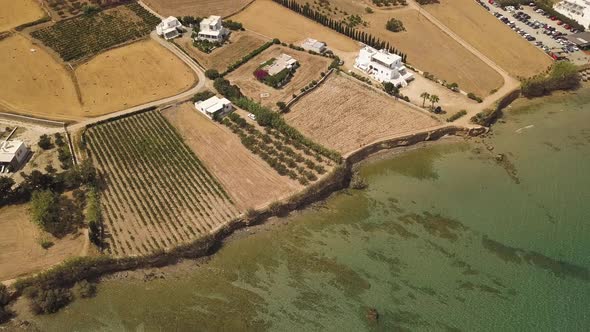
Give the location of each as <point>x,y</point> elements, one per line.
<point>49,301</point>
<point>212,74</point>
<point>232,25</point>
<point>395,25</point>
<point>204,95</point>
<point>472,95</point>
<point>45,142</point>
<point>457,115</point>
<point>84,289</point>
<point>562,76</point>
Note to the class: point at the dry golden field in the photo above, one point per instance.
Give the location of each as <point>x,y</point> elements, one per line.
<point>344,114</point>
<point>131,75</point>
<point>288,26</point>
<point>240,44</point>
<point>16,12</point>
<point>310,68</point>
<point>487,34</point>
<point>34,83</point>
<point>246,177</point>
<point>20,251</point>
<point>196,7</point>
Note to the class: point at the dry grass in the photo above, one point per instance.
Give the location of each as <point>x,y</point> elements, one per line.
<point>487,34</point>
<point>246,177</point>
<point>130,76</point>
<point>196,7</point>
<point>310,68</point>
<point>345,115</point>
<point>20,251</point>
<point>16,12</point>
<point>240,44</point>
<point>34,83</point>
<point>275,21</point>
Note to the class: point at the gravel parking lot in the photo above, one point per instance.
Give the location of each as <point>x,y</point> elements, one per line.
<point>543,41</point>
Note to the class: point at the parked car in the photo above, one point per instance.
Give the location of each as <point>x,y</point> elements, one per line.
<point>252,116</point>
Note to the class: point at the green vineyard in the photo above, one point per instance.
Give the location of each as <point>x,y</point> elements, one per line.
<point>157,193</point>
<point>87,35</point>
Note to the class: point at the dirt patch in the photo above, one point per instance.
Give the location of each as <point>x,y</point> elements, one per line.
<point>240,43</point>
<point>130,76</point>
<point>247,178</point>
<point>276,21</point>
<point>490,36</point>
<point>15,13</point>
<point>34,83</point>
<point>196,7</point>
<point>344,115</point>
<point>20,252</point>
<point>310,68</point>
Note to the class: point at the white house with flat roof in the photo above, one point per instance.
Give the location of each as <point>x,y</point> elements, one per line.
<point>12,155</point>
<point>578,10</point>
<point>282,62</point>
<point>169,28</point>
<point>212,29</point>
<point>214,107</point>
<point>383,66</point>
<point>314,45</point>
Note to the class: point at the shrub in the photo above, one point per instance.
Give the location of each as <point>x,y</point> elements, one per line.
<point>282,106</point>
<point>4,295</point>
<point>394,25</point>
<point>457,115</point>
<point>472,95</point>
<point>49,301</point>
<point>358,182</point>
<point>562,76</point>
<point>204,95</point>
<point>232,25</point>
<point>212,74</point>
<point>276,41</point>
<point>84,289</point>
<point>230,91</point>
<point>45,142</point>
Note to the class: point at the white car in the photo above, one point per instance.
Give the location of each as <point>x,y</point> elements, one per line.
<point>252,116</point>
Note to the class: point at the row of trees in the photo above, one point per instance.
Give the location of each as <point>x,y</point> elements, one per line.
<point>562,76</point>
<point>353,33</point>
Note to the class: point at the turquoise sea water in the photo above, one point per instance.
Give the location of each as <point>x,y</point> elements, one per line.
<point>444,238</point>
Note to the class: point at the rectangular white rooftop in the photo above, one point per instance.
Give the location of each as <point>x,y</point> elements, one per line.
<point>386,58</point>
<point>8,149</point>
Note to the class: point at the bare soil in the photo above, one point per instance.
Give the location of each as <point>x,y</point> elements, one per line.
<point>240,43</point>
<point>490,36</point>
<point>15,13</point>
<point>196,7</point>
<point>245,176</point>
<point>309,70</point>
<point>20,251</point>
<point>344,114</point>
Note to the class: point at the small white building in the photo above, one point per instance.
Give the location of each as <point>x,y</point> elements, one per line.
<point>214,107</point>
<point>313,45</point>
<point>383,66</point>
<point>12,155</point>
<point>578,10</point>
<point>212,29</point>
<point>169,28</point>
<point>282,62</point>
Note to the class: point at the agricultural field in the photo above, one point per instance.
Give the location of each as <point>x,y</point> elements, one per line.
<point>158,193</point>
<point>344,114</point>
<point>132,75</point>
<point>290,27</point>
<point>61,9</point>
<point>20,249</point>
<point>15,13</point>
<point>491,37</point>
<point>196,7</point>
<point>34,83</point>
<point>88,35</point>
<point>240,43</point>
<point>246,177</point>
<point>309,70</point>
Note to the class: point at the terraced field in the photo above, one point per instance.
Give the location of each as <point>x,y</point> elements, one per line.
<point>157,192</point>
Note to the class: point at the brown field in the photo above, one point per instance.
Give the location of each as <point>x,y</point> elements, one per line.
<point>343,114</point>
<point>196,7</point>
<point>34,83</point>
<point>247,178</point>
<point>240,44</point>
<point>487,34</point>
<point>288,26</point>
<point>15,13</point>
<point>310,68</point>
<point>130,76</point>
<point>20,252</point>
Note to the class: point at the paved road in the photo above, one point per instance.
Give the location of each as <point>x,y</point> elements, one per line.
<point>510,83</point>
<point>199,71</point>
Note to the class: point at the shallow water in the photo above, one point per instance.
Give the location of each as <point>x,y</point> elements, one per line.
<point>446,237</point>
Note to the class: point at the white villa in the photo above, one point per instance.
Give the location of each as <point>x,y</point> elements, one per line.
<point>12,155</point>
<point>383,66</point>
<point>282,62</point>
<point>211,29</point>
<point>313,45</point>
<point>169,28</point>
<point>214,107</point>
<point>578,10</point>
